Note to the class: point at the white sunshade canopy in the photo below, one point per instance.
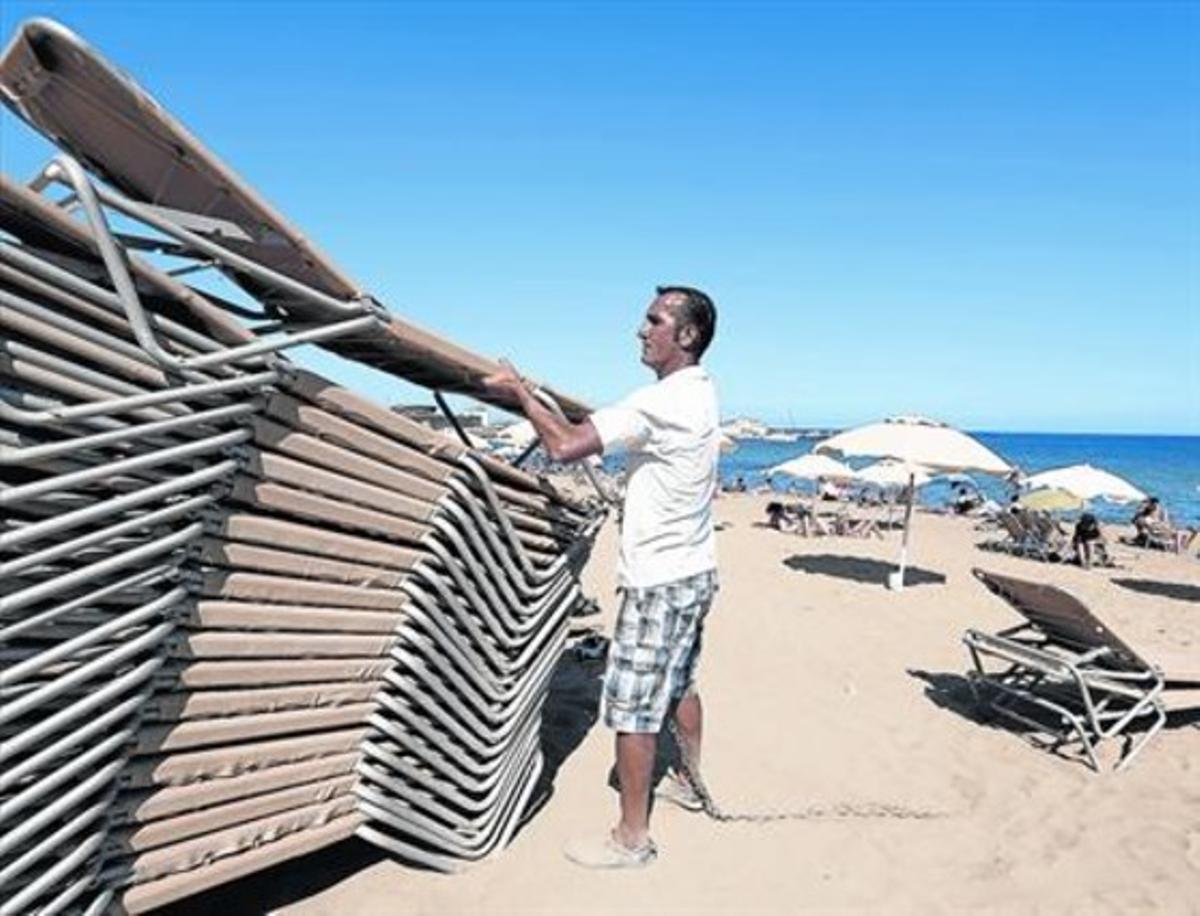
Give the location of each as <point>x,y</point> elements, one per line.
<point>917,441</point>
<point>1087,482</point>
<point>889,473</point>
<point>813,466</point>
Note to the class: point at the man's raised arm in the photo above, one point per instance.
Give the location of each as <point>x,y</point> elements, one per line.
<point>562,439</point>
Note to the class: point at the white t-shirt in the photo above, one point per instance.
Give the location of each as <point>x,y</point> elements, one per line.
<point>670,430</point>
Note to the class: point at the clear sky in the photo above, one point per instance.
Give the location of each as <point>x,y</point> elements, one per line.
<point>983,212</point>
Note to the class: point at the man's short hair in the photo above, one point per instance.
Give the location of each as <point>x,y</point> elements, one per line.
<point>697,310</point>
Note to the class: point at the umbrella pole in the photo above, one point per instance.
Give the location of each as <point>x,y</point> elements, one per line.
<point>896,579</point>
<point>813,520</point>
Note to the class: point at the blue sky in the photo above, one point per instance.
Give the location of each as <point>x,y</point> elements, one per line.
<point>986,213</point>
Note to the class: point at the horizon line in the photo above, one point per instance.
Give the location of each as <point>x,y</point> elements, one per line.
<point>1010,431</point>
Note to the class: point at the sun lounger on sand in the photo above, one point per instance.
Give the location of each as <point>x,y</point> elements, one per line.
<point>858,526</point>
<point>1037,535</point>
<point>1016,535</point>
<point>1164,536</point>
<point>1064,673</point>
<point>1047,539</point>
<point>819,524</point>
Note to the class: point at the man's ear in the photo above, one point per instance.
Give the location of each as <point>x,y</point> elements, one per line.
<point>686,336</point>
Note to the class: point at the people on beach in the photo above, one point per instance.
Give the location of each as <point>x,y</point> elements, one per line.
<point>1154,528</point>
<point>778,516</point>
<point>1088,541</point>
<point>829,490</point>
<point>965,501</point>
<point>1149,515</point>
<point>666,572</point>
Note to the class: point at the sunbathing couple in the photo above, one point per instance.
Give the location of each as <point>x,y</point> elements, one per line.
<point>1154,528</point>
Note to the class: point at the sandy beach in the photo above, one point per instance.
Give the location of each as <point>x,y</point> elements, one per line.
<point>821,688</point>
<point>305,594</point>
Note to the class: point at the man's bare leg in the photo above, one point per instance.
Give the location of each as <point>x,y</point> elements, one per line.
<point>635,764</point>
<point>689,723</point>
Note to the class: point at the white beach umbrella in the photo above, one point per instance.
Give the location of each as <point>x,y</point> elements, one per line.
<point>916,441</point>
<point>1087,482</point>
<point>888,473</point>
<point>813,467</point>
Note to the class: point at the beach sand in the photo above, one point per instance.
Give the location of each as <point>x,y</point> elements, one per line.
<point>821,687</point>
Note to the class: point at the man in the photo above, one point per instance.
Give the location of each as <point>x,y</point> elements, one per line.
<point>666,573</point>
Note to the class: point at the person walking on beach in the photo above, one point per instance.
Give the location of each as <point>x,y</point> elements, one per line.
<point>667,570</point>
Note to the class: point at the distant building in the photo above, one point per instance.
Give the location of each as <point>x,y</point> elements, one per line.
<point>749,428</point>
<point>744,428</point>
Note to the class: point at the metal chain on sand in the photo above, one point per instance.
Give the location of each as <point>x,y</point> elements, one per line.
<point>835,811</point>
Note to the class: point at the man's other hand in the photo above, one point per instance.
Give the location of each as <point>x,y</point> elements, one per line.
<point>506,383</point>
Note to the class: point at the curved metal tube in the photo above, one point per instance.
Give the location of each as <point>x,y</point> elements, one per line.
<point>552,405</point>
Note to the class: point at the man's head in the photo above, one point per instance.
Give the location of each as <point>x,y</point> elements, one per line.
<point>678,328</point>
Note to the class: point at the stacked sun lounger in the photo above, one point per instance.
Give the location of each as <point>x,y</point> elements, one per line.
<point>244,612</point>
<point>108,464</point>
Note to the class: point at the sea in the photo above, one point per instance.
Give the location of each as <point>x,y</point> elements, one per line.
<point>1164,466</point>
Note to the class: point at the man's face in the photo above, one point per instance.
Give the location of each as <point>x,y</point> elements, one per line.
<point>659,333</point>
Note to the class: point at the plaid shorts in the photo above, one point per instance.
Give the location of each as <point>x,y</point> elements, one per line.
<point>655,647</point>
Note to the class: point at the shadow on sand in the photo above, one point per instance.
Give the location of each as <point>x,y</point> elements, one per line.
<point>859,569</point>
<point>952,692</point>
<point>283,884</point>
<point>1177,590</point>
<point>572,708</point>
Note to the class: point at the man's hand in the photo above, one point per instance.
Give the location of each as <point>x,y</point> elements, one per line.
<point>507,382</point>
<point>562,439</point>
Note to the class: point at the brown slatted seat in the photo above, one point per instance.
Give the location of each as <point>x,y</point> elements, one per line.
<point>1065,672</point>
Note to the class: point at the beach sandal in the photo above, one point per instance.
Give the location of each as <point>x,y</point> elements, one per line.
<point>670,789</point>
<point>678,793</point>
<point>608,853</point>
